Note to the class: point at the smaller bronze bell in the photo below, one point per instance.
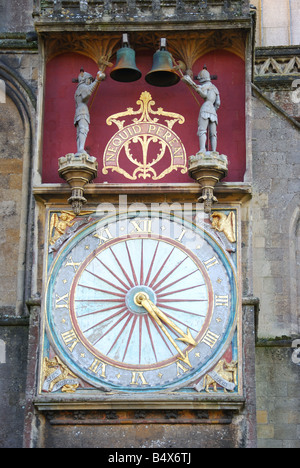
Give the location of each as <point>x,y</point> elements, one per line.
<point>162,72</point>
<point>125,70</point>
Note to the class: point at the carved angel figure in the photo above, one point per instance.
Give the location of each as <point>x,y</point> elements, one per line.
<point>59,225</point>
<point>226,224</point>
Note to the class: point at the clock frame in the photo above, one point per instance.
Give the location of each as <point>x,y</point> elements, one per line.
<point>110,344</point>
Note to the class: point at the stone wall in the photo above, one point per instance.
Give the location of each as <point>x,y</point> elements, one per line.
<point>276,201</point>
<point>10,205</point>
<point>277,22</point>
<point>275,224</point>
<point>16,16</point>
<point>278,396</point>
<point>18,72</point>
<point>13,366</point>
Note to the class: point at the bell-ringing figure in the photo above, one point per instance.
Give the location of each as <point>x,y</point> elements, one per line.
<point>208,113</point>
<point>86,87</point>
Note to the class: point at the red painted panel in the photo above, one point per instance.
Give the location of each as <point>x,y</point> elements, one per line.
<point>112,97</point>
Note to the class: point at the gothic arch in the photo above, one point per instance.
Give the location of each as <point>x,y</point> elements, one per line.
<point>24,100</point>
<point>294,245</point>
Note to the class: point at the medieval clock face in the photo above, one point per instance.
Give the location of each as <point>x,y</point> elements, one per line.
<point>139,302</point>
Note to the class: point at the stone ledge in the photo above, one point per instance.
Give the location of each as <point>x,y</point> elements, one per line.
<point>162,402</point>
<point>133,11</point>
<point>227,191</point>
<point>138,417</point>
<point>14,321</point>
<point>18,41</point>
<point>277,342</point>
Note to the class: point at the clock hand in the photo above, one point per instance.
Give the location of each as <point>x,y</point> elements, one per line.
<point>186,337</point>
<point>143,300</point>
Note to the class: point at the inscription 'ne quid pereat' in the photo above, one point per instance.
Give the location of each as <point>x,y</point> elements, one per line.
<point>136,149</point>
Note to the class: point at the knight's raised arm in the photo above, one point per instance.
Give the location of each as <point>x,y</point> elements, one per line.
<point>198,88</point>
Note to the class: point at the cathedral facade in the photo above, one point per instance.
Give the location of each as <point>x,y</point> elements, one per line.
<point>150,224</point>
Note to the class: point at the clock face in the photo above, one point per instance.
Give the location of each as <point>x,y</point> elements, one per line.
<point>141,302</point>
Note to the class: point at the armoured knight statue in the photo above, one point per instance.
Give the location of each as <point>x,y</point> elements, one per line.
<point>208,116</point>
<point>86,87</point>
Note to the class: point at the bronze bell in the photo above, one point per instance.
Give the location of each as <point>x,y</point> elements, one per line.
<point>125,69</point>
<point>162,72</point>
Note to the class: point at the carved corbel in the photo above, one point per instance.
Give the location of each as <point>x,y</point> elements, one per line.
<point>78,171</point>
<point>208,169</point>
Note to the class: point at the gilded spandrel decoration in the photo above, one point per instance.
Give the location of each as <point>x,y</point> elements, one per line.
<point>223,375</point>
<point>145,142</point>
<point>224,223</point>
<point>57,376</point>
<point>59,225</point>
<point>62,226</point>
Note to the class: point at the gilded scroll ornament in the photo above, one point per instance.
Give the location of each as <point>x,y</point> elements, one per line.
<point>147,137</point>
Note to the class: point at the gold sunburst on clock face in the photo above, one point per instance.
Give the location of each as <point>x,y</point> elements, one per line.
<point>141,302</point>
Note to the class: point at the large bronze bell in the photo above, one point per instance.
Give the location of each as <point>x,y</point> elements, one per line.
<point>125,69</point>
<point>162,72</point>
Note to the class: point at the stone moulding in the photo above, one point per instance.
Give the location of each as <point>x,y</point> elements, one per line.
<point>134,10</point>
<point>113,417</point>
<point>276,67</point>
<point>69,402</point>
<point>225,191</point>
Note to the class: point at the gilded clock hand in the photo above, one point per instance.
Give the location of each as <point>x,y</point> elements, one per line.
<point>186,337</point>
<point>143,300</point>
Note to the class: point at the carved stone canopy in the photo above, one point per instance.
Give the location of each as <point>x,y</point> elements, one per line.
<point>187,46</point>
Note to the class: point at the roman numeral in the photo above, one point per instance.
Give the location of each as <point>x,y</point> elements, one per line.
<point>143,226</point>
<point>181,369</point>
<point>96,366</point>
<point>70,339</point>
<point>103,238</point>
<point>211,262</point>
<point>181,235</point>
<point>210,338</point>
<point>62,301</point>
<point>222,300</point>
<point>73,264</point>
<point>136,377</point>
